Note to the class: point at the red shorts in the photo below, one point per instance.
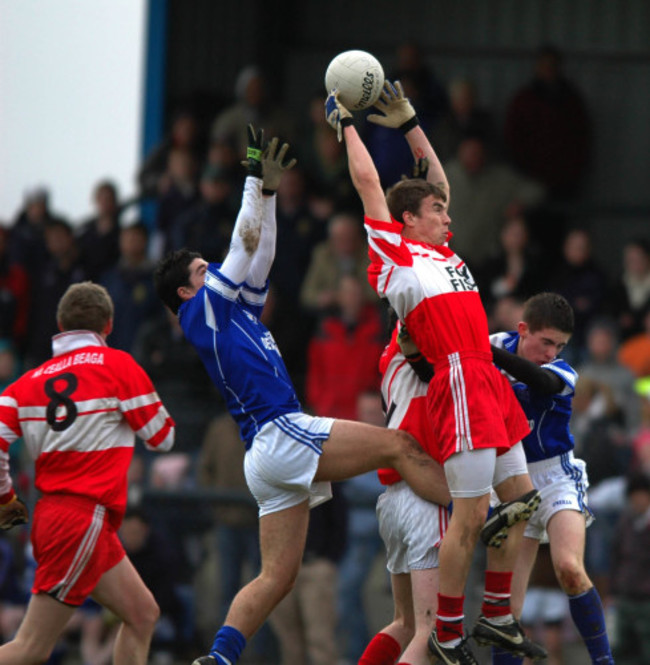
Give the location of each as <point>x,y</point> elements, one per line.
<point>74,545</point>
<point>405,396</point>
<point>472,405</point>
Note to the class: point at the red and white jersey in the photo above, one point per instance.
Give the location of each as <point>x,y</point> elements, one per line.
<point>78,414</point>
<point>405,398</point>
<point>434,294</point>
<point>431,290</point>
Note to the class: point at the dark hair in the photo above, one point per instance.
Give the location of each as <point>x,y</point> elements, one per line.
<point>548,310</point>
<point>407,195</point>
<point>641,243</point>
<point>108,185</point>
<point>139,227</point>
<point>172,272</point>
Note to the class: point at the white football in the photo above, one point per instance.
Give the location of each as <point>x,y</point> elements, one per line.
<point>358,76</point>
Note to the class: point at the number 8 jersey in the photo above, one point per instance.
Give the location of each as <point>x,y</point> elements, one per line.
<point>79,414</point>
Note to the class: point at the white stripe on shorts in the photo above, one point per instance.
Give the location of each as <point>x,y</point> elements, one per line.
<point>82,555</point>
<point>310,439</point>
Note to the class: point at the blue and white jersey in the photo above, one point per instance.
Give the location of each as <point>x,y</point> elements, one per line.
<point>548,416</point>
<point>238,351</point>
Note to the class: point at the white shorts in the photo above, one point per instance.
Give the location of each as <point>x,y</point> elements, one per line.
<point>512,463</point>
<point>411,529</point>
<point>562,481</point>
<point>470,473</point>
<point>544,606</point>
<point>281,464</point>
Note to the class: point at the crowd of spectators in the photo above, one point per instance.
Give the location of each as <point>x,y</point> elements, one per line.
<point>508,184</point>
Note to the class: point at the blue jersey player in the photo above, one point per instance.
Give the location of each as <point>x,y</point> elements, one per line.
<point>544,385</point>
<point>291,457</point>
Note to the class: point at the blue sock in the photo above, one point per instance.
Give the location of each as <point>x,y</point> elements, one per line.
<point>228,645</point>
<point>503,657</point>
<point>587,613</point>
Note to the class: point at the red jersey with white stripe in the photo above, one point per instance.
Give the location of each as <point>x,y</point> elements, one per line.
<point>405,398</point>
<point>431,289</point>
<point>433,292</point>
<point>78,414</point>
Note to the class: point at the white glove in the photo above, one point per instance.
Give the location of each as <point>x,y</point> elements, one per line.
<point>397,110</point>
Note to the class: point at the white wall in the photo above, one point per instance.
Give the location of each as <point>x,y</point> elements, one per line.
<point>71,75</point>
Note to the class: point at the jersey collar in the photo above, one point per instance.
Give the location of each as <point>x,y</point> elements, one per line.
<point>72,340</point>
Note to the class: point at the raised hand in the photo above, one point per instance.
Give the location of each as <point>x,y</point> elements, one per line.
<point>274,165</point>
<point>336,114</point>
<point>396,110</point>
<point>254,151</point>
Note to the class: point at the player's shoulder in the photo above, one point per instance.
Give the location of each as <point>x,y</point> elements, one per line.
<point>564,370</point>
<point>504,340</point>
<point>118,358</point>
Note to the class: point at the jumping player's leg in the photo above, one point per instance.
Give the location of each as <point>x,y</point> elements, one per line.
<point>122,591</point>
<point>424,585</point>
<point>282,543</point>
<point>566,532</point>
<point>521,573</point>
<point>520,576</point>
<point>355,448</point>
<point>515,490</point>
<point>39,631</point>
<point>386,646</point>
<point>519,499</point>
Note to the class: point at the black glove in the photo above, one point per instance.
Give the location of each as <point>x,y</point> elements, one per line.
<point>253,161</point>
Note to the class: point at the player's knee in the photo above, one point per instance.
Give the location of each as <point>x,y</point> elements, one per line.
<point>571,576</point>
<point>406,445</point>
<point>145,616</point>
<point>279,584</point>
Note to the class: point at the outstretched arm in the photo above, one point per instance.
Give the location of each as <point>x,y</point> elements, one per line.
<point>248,227</point>
<point>362,169</point>
<point>542,381</point>
<point>398,113</point>
<point>273,166</point>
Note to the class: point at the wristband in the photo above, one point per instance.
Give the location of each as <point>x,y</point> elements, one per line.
<point>409,124</point>
<point>268,192</point>
<point>345,122</point>
<point>414,357</point>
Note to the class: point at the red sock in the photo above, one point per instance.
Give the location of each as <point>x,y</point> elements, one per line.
<point>449,619</point>
<point>382,650</point>
<point>496,597</point>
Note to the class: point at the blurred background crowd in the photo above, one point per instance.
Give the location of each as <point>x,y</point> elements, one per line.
<point>515,179</point>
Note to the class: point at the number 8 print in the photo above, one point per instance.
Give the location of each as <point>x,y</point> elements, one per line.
<point>61,398</point>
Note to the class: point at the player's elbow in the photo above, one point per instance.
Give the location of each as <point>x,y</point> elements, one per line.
<point>164,444</point>
<point>366,180</point>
